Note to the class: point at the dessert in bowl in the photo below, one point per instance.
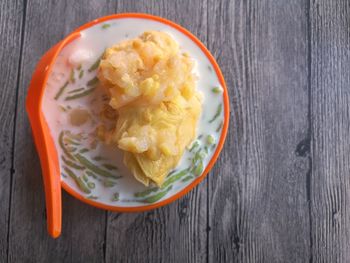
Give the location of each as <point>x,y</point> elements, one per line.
<point>135,111</point>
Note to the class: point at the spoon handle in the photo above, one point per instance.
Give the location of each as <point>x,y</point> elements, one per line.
<point>43,140</point>
<point>45,146</point>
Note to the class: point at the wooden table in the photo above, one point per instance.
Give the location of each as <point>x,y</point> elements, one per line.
<point>280,191</point>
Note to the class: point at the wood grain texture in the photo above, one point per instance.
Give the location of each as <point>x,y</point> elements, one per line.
<point>330,113</point>
<point>175,233</point>
<point>83,230</point>
<point>280,190</point>
<point>258,198</point>
<point>11,17</point>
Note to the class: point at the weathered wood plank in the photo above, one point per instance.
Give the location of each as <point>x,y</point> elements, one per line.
<point>263,189</point>
<point>175,233</point>
<point>11,17</point>
<point>330,145</point>
<point>258,198</point>
<point>83,233</point>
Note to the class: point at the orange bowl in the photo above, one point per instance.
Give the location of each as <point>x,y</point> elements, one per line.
<point>45,144</point>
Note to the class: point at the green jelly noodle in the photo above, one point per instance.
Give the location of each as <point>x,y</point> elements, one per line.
<point>157,197</point>
<point>72,77</point>
<point>63,147</point>
<point>81,94</point>
<point>187,178</point>
<point>92,82</point>
<point>216,90</point>
<point>146,192</point>
<point>194,146</point>
<point>174,178</point>
<point>81,74</point>
<point>72,164</point>
<point>217,113</point>
<point>91,185</point>
<point>105,26</point>
<point>94,168</point>
<point>95,65</point>
<point>115,197</point>
<point>81,184</point>
<point>61,90</point>
<point>199,168</point>
<point>75,90</point>
<point>210,139</point>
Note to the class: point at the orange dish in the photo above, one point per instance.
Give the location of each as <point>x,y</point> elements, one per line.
<point>56,154</point>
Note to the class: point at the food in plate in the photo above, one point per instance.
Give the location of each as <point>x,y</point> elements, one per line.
<point>152,87</point>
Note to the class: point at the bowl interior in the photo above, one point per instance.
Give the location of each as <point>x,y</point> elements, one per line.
<point>131,195</point>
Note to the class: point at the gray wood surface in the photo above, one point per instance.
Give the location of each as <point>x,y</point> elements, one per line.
<point>281,187</point>
<point>258,201</point>
<point>330,141</point>
<point>10,45</point>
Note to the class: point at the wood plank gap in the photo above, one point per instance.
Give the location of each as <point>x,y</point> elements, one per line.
<point>12,170</point>
<point>309,132</point>
<point>105,238</point>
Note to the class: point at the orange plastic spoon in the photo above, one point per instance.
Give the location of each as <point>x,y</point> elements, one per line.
<point>41,133</point>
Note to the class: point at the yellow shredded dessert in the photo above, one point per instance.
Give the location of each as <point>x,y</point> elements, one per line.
<point>152,88</point>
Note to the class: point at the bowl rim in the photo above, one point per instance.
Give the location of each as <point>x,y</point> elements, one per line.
<point>224,130</point>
